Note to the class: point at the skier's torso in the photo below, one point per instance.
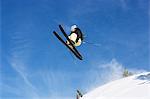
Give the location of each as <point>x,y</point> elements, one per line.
<point>79,33</point>
<point>76,36</point>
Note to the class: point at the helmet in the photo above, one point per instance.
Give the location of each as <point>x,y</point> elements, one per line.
<point>73,27</point>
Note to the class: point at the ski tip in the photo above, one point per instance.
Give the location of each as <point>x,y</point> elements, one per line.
<point>53,31</point>
<point>59,25</point>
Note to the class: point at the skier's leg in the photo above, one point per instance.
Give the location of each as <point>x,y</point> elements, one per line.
<point>78,43</point>
<point>73,38</point>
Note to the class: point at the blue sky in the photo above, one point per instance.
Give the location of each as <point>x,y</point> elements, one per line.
<point>34,64</point>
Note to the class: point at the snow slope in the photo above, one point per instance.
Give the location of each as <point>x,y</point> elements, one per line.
<point>133,87</point>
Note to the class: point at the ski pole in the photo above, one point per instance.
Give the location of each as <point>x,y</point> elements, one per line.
<point>94,44</point>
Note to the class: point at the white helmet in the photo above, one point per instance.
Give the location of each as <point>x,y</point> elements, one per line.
<point>73,27</point>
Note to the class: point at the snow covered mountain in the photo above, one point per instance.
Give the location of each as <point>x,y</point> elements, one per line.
<point>133,87</point>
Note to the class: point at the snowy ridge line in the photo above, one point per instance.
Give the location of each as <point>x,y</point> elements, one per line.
<point>132,87</point>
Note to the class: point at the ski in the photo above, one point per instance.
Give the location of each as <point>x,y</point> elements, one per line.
<point>64,33</point>
<point>72,50</point>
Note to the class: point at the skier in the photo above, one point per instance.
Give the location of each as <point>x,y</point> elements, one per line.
<point>74,39</point>
<point>75,36</point>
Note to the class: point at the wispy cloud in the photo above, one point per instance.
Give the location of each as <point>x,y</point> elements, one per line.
<point>22,84</point>
<point>40,84</point>
<point>23,73</point>
<point>45,84</point>
<point>112,70</point>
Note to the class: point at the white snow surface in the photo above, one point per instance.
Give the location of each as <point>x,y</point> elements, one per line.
<point>133,87</point>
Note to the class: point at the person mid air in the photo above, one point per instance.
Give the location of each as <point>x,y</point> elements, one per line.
<point>75,36</point>
<point>73,40</point>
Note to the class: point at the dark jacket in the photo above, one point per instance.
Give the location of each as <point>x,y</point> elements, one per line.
<point>79,34</point>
